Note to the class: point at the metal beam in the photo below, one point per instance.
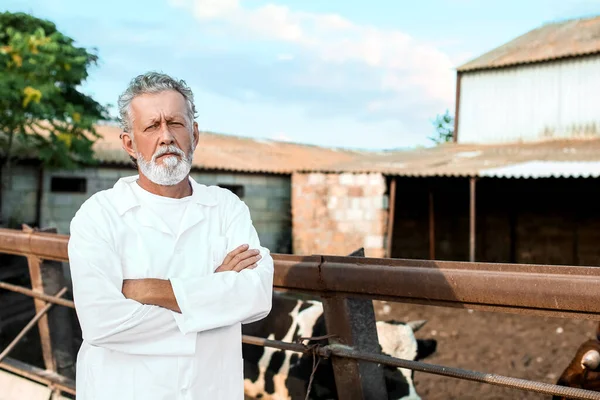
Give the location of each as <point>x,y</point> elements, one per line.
<point>558,291</point>
<point>431,226</point>
<point>352,321</point>
<point>472,221</point>
<point>457,106</point>
<point>391,217</point>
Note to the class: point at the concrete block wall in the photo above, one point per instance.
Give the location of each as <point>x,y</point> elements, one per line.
<point>19,195</point>
<point>267,196</point>
<point>335,214</point>
<point>59,208</point>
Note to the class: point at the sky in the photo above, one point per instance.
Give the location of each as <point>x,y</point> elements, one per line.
<point>339,73</point>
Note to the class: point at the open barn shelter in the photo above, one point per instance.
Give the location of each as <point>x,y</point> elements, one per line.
<point>500,203</point>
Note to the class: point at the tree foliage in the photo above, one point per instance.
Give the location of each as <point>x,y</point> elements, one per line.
<point>42,110</point>
<point>444,128</point>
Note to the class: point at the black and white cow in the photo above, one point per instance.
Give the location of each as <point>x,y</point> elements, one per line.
<point>272,374</point>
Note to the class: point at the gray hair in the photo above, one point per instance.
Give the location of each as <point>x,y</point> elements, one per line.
<point>152,82</point>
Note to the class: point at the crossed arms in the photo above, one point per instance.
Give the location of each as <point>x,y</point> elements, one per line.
<point>159,292</point>
<point>162,317</point>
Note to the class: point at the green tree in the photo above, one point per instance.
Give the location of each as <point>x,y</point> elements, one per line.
<point>43,113</point>
<point>42,110</point>
<point>444,128</point>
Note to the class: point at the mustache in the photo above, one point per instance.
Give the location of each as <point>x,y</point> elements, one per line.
<point>168,149</point>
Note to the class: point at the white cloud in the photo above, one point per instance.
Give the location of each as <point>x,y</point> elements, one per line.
<point>398,63</point>
<point>285,57</point>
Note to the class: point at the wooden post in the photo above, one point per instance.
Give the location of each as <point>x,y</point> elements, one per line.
<point>391,216</point>
<point>472,221</point>
<point>353,321</point>
<point>56,329</point>
<point>431,226</point>
<point>35,276</point>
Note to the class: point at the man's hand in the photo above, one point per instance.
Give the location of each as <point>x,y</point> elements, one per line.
<point>239,259</point>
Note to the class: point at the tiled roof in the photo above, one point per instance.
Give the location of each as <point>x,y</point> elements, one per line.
<point>549,42</point>
<point>233,153</point>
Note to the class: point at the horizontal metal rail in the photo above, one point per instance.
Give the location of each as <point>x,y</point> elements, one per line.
<point>481,377</point>
<point>563,291</point>
<point>546,290</point>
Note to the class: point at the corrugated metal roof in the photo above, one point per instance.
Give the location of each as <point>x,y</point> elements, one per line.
<point>557,158</point>
<point>551,158</point>
<point>546,169</point>
<point>233,153</point>
<point>549,42</point>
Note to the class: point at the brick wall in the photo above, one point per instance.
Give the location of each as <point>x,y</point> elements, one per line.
<point>336,214</point>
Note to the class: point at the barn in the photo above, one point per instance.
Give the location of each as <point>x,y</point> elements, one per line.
<point>519,183</point>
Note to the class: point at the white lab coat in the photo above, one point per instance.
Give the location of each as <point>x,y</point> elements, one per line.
<point>142,352</point>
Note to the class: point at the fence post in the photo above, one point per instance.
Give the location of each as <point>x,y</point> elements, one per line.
<point>56,330</point>
<point>353,321</point>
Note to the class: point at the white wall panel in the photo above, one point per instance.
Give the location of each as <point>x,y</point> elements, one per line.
<point>528,103</point>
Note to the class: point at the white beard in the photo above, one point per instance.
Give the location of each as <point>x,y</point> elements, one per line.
<point>171,171</point>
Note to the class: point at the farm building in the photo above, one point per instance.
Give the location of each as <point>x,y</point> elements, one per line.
<point>519,183</point>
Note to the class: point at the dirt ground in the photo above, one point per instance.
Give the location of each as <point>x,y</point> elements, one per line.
<point>526,347</point>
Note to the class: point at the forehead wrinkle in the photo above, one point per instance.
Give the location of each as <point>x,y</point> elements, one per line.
<point>166,116</point>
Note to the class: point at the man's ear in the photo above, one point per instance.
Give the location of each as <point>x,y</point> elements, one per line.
<point>127,143</point>
<point>195,136</point>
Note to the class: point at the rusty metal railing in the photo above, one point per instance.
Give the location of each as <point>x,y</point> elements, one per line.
<point>349,283</point>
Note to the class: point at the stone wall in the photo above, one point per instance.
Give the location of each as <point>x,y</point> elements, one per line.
<point>335,214</point>
<point>267,196</point>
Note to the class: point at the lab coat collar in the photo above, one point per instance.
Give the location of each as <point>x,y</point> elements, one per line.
<point>127,199</point>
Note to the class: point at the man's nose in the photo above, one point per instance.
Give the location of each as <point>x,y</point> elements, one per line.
<point>166,136</point>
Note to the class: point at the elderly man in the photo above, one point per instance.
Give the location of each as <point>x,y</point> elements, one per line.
<point>165,270</point>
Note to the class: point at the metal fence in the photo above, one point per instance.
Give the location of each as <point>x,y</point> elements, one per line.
<point>347,286</point>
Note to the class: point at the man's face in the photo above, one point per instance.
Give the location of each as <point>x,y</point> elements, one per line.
<point>164,139</point>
